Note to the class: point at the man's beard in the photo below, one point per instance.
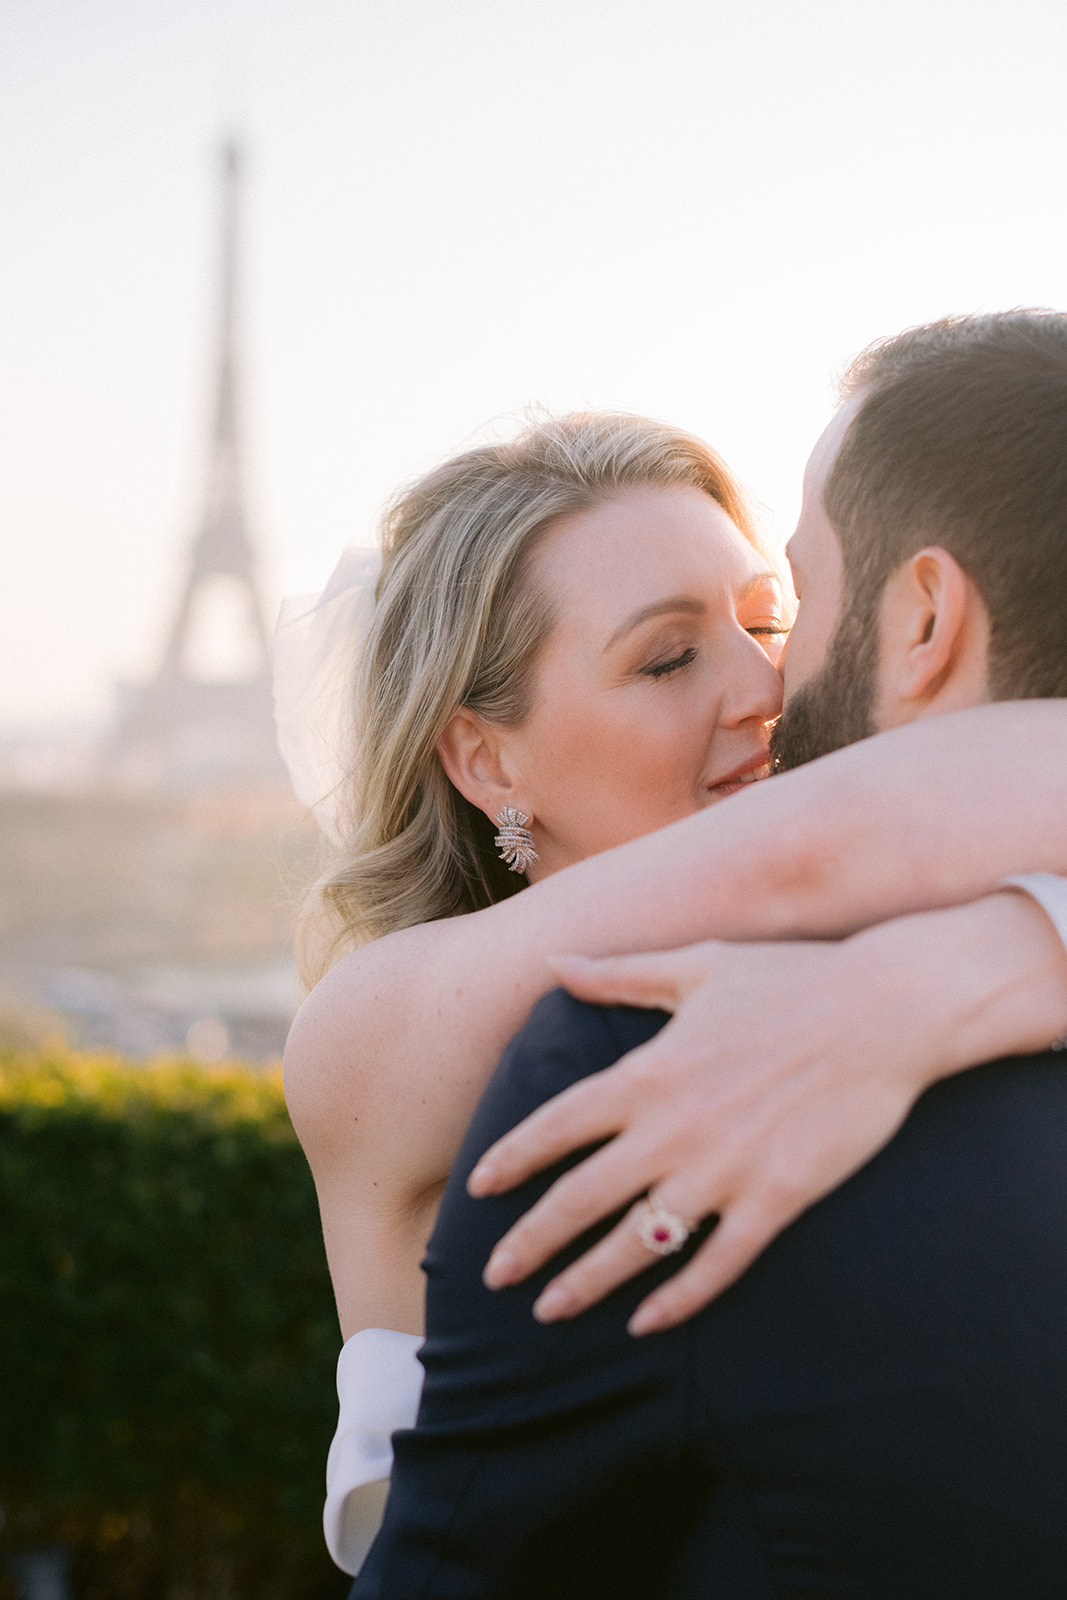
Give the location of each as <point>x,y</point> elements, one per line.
<point>835,707</point>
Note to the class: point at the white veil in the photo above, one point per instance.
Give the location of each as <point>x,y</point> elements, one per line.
<point>317,646</point>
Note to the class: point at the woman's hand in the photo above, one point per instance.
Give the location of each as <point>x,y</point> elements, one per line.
<point>786,1067</point>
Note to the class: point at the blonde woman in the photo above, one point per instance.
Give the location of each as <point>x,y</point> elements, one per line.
<point>579,629</point>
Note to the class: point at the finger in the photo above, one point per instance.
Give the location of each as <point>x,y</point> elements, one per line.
<point>614,1260</point>
<point>648,981</point>
<point>590,1191</point>
<point>740,1236</point>
<point>583,1114</point>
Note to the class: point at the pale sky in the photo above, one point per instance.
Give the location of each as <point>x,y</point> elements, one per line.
<point>456,208</point>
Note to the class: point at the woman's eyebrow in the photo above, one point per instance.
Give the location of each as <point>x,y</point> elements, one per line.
<point>688,604</point>
<point>658,608</point>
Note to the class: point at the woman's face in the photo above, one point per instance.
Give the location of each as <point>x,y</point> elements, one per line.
<point>654,692</point>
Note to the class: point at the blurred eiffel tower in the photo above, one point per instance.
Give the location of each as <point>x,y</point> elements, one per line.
<point>206,719</point>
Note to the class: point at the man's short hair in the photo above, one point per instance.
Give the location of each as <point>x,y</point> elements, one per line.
<point>962,442</point>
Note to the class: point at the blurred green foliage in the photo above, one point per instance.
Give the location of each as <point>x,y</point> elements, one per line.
<point>167,1330</point>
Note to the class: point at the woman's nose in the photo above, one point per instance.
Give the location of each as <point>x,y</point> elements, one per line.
<point>757,685</point>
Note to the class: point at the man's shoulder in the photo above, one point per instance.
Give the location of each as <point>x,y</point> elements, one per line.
<point>562,1041</point>
<point>577,1037</point>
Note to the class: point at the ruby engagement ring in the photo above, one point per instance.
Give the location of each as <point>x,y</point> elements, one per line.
<point>661,1231</point>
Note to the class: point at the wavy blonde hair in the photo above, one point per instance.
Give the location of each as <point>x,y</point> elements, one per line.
<point>459,621</point>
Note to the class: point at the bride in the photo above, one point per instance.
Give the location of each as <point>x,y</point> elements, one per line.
<point>570,664</point>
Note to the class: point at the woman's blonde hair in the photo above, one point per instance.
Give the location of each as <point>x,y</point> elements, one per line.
<point>459,621</point>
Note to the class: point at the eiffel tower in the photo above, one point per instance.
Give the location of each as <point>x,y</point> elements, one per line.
<point>201,723</point>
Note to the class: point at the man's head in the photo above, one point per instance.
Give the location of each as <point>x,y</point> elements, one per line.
<point>931,552</point>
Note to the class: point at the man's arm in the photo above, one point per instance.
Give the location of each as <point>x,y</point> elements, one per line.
<point>545,1460</point>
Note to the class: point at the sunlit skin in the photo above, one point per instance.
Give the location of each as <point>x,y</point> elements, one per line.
<point>931,583</point>
<point>654,692</point>
<point>814,555</point>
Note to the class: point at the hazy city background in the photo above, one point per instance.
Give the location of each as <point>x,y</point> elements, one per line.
<point>451,209</point>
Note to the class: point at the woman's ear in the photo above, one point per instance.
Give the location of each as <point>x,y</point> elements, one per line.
<point>473,756</point>
<point>934,639</point>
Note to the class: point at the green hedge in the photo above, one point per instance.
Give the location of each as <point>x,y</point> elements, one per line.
<point>167,1331</point>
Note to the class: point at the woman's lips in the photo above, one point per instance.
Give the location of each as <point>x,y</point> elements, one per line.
<point>738,780</point>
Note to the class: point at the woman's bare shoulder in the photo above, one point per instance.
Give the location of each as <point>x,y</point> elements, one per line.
<point>389,1054</point>
<point>349,1051</point>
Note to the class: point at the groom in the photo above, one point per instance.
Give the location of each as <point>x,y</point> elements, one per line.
<point>878,1408</point>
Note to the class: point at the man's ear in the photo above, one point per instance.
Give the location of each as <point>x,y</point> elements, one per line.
<point>933,638</point>
<point>473,755</point>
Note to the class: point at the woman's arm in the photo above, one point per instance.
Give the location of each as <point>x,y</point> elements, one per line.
<point>926,815</point>
<point>785,1069</point>
<point>389,1054</point>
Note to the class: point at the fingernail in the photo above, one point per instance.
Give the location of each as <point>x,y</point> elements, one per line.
<point>482,1179</point>
<point>646,1319</point>
<point>554,1303</point>
<point>499,1269</point>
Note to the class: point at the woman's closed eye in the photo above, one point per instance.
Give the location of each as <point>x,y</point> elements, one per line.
<point>771,637</point>
<point>663,669</point>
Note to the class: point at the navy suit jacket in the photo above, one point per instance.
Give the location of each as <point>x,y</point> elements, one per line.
<point>878,1408</point>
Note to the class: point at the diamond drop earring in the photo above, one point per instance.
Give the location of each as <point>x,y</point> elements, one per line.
<point>515,841</point>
